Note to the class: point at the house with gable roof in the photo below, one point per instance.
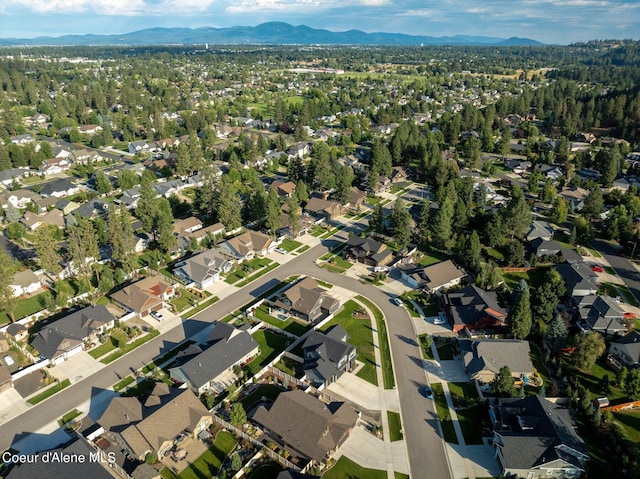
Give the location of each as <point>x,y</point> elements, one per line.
<point>212,367</point>
<point>474,309</point>
<point>535,438</point>
<point>483,358</point>
<point>246,246</point>
<point>306,300</point>
<point>327,356</point>
<point>144,296</point>
<point>367,250</point>
<point>433,278</point>
<point>627,349</point>
<point>203,269</point>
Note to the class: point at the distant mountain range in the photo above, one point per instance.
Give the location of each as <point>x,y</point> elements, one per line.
<point>272,33</point>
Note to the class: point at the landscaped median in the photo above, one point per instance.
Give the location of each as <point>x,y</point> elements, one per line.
<point>383,342</point>
<point>448,431</point>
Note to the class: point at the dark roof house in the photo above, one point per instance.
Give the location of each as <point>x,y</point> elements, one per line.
<point>473,308</point>
<point>306,300</point>
<point>367,250</point>
<point>327,356</point>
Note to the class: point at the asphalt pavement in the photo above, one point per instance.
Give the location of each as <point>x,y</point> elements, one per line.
<point>625,268</point>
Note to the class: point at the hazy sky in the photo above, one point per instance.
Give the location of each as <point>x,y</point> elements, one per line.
<point>548,21</point>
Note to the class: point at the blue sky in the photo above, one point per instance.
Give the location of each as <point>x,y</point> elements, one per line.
<point>548,21</point>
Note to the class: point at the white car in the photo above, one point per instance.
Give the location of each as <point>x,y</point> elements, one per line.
<point>439,321</point>
<point>157,315</point>
<point>8,360</point>
<point>397,301</point>
<point>281,250</point>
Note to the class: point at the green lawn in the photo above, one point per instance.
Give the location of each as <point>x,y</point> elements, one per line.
<point>255,276</point>
<point>290,324</point>
<point>630,423</point>
<point>361,336</point>
<point>445,351</point>
<point>268,471</point>
<point>383,341</point>
<point>347,469</point>
<point>70,416</point>
<point>425,346</point>
<point>184,300</point>
<point>271,345</point>
<point>470,415</point>
<point>25,307</point>
<point>395,426</point>
<point>200,307</point>
<point>131,346</point>
<point>238,273</point>
<point>103,349</point>
<point>120,385</point>
<point>289,245</point>
<point>208,464</point>
<point>443,413</point>
<point>431,258</point>
<point>49,392</point>
<point>270,391</point>
<point>533,277</point>
<point>591,380</point>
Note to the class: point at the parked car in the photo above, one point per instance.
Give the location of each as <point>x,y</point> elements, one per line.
<point>8,360</point>
<point>428,392</point>
<point>439,321</point>
<point>629,315</point>
<point>397,301</point>
<point>380,269</point>
<point>157,315</point>
<point>281,250</point>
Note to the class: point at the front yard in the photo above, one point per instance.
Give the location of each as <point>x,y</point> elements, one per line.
<point>247,270</point>
<point>271,344</point>
<point>25,307</point>
<point>470,411</point>
<point>448,431</point>
<point>290,324</point>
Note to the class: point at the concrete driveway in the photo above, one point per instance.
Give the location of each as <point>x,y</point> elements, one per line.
<point>473,461</point>
<point>446,371</point>
<point>11,403</point>
<point>356,390</point>
<point>76,368</point>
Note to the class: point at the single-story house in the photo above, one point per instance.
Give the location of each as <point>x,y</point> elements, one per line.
<point>187,225</point>
<point>433,278</point>
<point>142,297</point>
<point>306,300</point>
<point>285,189</point>
<point>203,269</point>
<point>579,278</point>
<point>483,358</point>
<point>536,439</point>
<point>25,282</point>
<point>19,198</point>
<point>327,356</point>
<point>600,313</point>
<point>34,221</point>
<point>540,229</point>
<point>60,187</point>
<point>306,426</point>
<point>575,196</point>
<point>17,331</point>
<point>213,231</point>
<point>212,368</point>
<point>627,349</point>
<point>155,425</point>
<point>474,309</point>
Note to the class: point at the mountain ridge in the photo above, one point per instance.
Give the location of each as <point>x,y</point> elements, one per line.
<point>270,33</point>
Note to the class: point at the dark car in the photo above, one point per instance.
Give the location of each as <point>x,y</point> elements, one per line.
<point>428,392</point>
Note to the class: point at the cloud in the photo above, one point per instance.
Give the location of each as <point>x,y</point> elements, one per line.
<point>111,7</point>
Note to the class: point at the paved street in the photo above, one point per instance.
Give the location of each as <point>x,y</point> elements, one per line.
<point>625,268</point>
<point>425,447</point>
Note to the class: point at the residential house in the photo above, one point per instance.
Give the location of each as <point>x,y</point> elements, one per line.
<point>483,358</point>
<point>304,226</point>
<point>400,174</point>
<point>66,337</point>
<point>324,209</point>
<point>22,139</point>
<point>25,282</point>
<point>85,156</point>
<point>186,226</point>
<point>143,146</point>
<point>89,129</point>
<point>60,187</point>
<point>542,247</point>
<point>18,199</point>
<point>378,185</point>
<point>574,196</point>
<point>306,300</point>
<point>601,314</point>
<point>246,246</point>
<point>212,368</point>
<point>356,198</point>
<point>327,356</point>
<point>76,458</point>
<point>305,426</point>
<point>552,172</point>
<point>67,206</point>
<point>143,240</point>
<point>203,269</point>
<point>92,209</point>
<point>142,297</point>
<point>434,278</point>
<point>536,439</point>
<point>212,231</point>
<point>9,177</point>
<point>474,309</point>
<point>368,251</point>
<point>627,349</point>
<point>519,167</point>
<point>285,189</point>
<point>34,221</point>
<point>55,166</point>
<point>299,150</point>
<point>579,278</point>
<point>155,425</point>
<point>540,229</point>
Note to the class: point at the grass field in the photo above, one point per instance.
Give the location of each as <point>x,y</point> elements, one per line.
<point>289,245</point>
<point>271,345</point>
<point>25,307</point>
<point>131,346</point>
<point>395,426</point>
<point>200,307</point>
<point>383,342</point>
<point>70,416</point>
<point>208,464</point>
<point>469,416</point>
<point>443,413</point>
<point>289,325</point>
<point>361,336</point>
<point>270,391</point>
<point>345,468</point>
<point>630,423</point>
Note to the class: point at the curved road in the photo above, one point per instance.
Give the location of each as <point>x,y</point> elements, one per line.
<point>424,445</point>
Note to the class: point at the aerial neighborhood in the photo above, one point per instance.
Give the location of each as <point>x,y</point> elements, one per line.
<point>320,262</point>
